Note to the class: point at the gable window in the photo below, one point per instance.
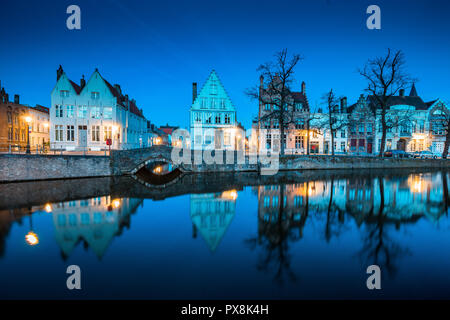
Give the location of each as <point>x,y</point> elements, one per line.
<point>218,118</point>
<point>267,107</point>
<point>298,106</point>
<point>227,119</point>
<point>59,111</point>
<point>197,117</point>
<point>64,93</point>
<point>95,95</point>
<point>208,118</point>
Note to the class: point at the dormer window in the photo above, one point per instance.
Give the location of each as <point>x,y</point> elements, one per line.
<point>64,93</point>
<point>95,95</point>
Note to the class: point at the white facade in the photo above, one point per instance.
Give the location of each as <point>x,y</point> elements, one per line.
<point>84,117</point>
<point>213,118</point>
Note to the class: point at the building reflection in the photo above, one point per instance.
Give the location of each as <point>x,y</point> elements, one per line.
<point>378,206</point>
<point>93,222</point>
<point>211,215</point>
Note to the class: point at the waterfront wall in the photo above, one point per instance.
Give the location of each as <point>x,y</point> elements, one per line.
<point>16,167</point>
<point>46,167</point>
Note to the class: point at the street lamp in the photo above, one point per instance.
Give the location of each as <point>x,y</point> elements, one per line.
<point>28,121</point>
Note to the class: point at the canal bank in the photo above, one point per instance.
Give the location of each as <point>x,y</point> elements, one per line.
<point>15,168</point>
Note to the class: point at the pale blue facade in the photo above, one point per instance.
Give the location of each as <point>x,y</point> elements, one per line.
<point>213,117</point>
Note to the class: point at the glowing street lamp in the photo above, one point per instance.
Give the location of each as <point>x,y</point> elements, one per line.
<point>116,203</point>
<point>48,208</point>
<point>28,121</point>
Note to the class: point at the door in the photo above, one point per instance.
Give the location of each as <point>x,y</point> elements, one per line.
<point>82,136</point>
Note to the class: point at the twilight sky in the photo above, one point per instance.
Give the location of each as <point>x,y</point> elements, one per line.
<point>156,49</point>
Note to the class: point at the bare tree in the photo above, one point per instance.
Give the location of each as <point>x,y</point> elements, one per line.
<point>335,119</point>
<point>385,76</point>
<point>278,77</point>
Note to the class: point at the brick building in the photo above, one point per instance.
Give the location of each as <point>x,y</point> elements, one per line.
<point>14,126</point>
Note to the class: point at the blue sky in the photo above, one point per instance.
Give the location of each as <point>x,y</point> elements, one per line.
<point>156,49</point>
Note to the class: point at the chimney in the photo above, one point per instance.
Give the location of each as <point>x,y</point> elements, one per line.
<point>344,105</point>
<point>194,91</point>
<point>261,81</point>
<point>303,87</point>
<point>127,102</point>
<point>16,99</point>
<point>59,72</point>
<point>82,82</point>
<point>401,93</point>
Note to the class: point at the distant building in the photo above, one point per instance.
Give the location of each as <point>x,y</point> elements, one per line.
<point>361,129</point>
<point>213,121</point>
<point>86,116</point>
<point>268,130</point>
<point>168,130</point>
<point>14,127</point>
<point>416,129</point>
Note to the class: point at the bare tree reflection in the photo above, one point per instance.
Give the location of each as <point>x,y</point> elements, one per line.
<point>282,215</point>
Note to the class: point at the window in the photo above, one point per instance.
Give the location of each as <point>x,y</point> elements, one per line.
<point>9,117</point>
<point>198,139</point>
<point>82,112</point>
<point>299,140</point>
<point>266,124</point>
<point>59,111</point>
<point>369,128</point>
<point>343,133</point>
<point>208,118</point>
<point>276,124</point>
<point>227,119</point>
<point>95,95</point>
<point>95,133</point>
<point>300,124</point>
<point>353,129</point>
<point>70,111</point>
<point>343,146</point>
<point>107,132</point>
<point>58,133</point>
<point>268,141</point>
<point>107,112</point>
<point>208,139</point>
<point>197,117</point>
<point>70,133</point>
<point>10,134</point>
<point>361,129</point>
<point>95,112</point>
<point>64,93</point>
<point>222,103</point>
<point>267,107</point>
<point>218,118</point>
<point>298,106</point>
<point>227,138</point>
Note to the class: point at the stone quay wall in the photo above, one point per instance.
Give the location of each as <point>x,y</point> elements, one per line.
<point>15,167</point>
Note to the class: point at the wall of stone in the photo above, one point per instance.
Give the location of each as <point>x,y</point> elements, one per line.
<point>15,167</point>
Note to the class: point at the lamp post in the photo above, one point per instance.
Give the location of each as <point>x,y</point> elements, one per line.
<point>28,121</point>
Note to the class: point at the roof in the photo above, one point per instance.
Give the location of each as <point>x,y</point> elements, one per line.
<point>41,108</point>
<point>300,97</point>
<point>120,98</point>
<point>413,101</point>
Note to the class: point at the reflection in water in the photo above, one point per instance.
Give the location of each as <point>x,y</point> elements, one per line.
<point>93,222</point>
<point>366,214</point>
<point>211,214</point>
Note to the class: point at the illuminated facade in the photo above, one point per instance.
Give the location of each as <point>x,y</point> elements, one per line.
<point>213,120</point>
<point>85,116</point>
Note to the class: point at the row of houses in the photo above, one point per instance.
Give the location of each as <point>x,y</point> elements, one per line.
<point>95,115</point>
<point>414,125</point>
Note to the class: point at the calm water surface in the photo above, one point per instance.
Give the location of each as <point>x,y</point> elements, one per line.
<point>286,238</point>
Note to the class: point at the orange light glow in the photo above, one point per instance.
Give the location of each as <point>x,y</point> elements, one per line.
<point>231,195</point>
<point>116,203</point>
<point>48,208</point>
<point>31,238</point>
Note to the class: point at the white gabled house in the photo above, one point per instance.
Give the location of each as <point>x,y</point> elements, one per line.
<point>86,116</point>
<point>213,121</point>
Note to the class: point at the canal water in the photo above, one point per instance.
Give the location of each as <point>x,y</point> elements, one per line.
<point>296,236</point>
